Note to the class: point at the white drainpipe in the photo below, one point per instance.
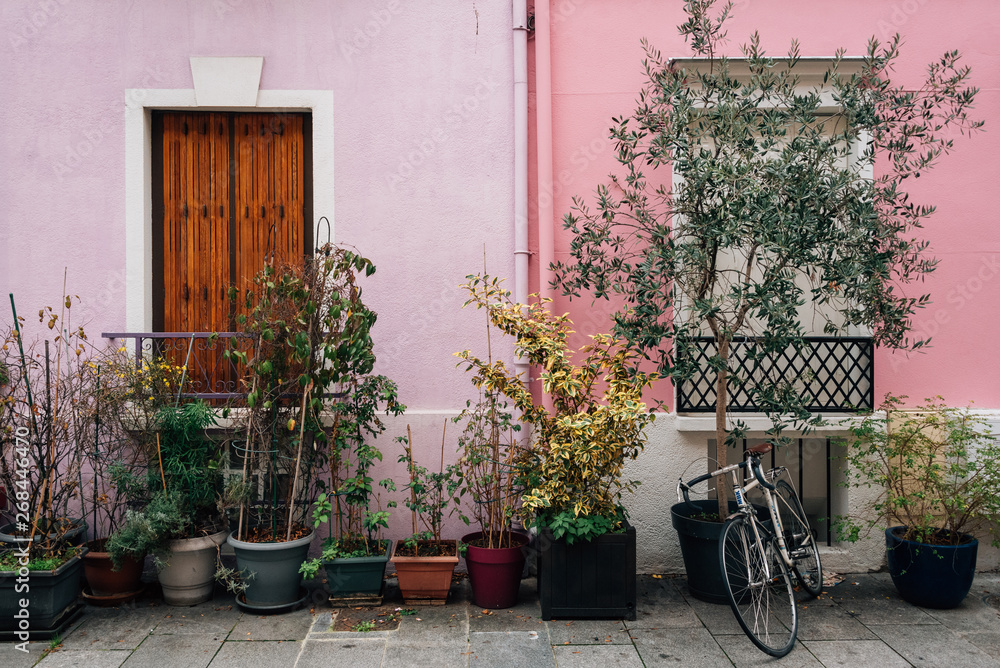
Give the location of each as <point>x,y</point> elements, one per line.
<point>521,252</point>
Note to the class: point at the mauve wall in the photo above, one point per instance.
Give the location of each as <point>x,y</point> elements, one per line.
<point>423,155</point>
<point>597,73</point>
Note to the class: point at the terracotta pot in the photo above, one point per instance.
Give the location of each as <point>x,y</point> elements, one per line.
<point>424,580</point>
<point>495,573</point>
<point>103,580</point>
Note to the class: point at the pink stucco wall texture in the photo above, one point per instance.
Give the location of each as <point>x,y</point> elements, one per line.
<point>597,72</point>
<point>424,151</point>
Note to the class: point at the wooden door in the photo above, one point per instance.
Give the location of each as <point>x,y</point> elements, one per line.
<point>231,190</point>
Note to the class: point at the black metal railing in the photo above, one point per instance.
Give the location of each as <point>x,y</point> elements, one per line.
<point>832,374</point>
<point>209,374</point>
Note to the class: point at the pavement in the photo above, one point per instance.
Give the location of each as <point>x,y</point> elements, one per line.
<point>859,622</point>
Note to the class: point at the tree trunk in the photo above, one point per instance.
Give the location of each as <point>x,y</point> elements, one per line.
<point>721,399</point>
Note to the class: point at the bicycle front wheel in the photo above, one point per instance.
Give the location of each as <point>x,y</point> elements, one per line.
<point>799,539</point>
<point>759,587</point>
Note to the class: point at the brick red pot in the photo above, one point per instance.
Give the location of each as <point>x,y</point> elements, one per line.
<point>495,573</point>
<point>101,577</point>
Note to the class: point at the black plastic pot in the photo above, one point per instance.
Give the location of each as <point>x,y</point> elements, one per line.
<point>51,595</point>
<point>699,541</point>
<point>931,576</point>
<point>588,579</point>
<point>700,549</point>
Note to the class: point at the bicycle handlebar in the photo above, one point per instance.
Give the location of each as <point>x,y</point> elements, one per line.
<point>757,473</point>
<point>752,457</point>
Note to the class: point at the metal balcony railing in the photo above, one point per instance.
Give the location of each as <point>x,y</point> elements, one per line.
<point>832,374</point>
<point>209,374</point>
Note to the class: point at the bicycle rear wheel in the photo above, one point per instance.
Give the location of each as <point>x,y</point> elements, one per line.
<point>759,588</point>
<point>799,539</point>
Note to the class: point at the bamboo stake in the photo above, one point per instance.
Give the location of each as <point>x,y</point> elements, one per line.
<point>298,462</point>
<point>159,455</point>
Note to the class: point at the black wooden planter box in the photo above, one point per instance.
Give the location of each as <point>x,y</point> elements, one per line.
<point>594,579</point>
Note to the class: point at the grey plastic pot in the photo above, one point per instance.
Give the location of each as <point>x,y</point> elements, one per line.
<point>188,575</point>
<point>271,570</point>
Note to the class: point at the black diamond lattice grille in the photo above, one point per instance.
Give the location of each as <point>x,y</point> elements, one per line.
<point>832,373</point>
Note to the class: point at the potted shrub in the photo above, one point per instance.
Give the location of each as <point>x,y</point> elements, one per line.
<point>746,225</point>
<point>573,471</point>
<point>182,524</point>
<point>490,452</point>
<point>354,553</point>
<point>312,343</point>
<point>116,424</point>
<point>425,562</point>
<point>937,470</point>
<point>40,466</point>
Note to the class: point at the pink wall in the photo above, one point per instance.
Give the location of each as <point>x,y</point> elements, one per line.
<point>423,154</point>
<point>597,73</point>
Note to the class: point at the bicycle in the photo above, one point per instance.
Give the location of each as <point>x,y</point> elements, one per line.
<point>756,556</point>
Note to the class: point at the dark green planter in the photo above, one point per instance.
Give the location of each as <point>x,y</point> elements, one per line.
<point>51,594</point>
<point>588,579</point>
<point>273,569</point>
<point>357,576</point>
<point>699,541</point>
<point>931,576</point>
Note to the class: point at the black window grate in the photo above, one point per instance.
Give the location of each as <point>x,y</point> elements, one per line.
<point>833,374</point>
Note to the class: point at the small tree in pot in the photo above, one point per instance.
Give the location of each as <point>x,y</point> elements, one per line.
<point>773,207</point>
<point>354,553</point>
<point>312,341</point>
<point>489,457</point>
<point>936,472</point>
<point>425,561</point>
<point>574,470</point>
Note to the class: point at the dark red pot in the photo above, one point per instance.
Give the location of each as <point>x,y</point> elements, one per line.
<point>495,574</point>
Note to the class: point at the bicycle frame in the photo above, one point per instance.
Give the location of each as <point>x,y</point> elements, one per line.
<point>740,487</point>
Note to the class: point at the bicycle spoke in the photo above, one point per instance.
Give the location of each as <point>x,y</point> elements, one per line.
<point>759,588</point>
<point>799,539</point>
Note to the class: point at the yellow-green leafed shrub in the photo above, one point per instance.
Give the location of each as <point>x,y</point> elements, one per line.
<point>573,470</point>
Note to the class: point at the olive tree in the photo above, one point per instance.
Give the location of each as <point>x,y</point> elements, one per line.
<point>748,200</point>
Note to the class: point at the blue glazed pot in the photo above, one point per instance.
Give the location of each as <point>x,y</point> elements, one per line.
<point>931,576</point>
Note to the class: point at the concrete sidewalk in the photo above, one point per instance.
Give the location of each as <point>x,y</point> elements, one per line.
<point>859,622</point>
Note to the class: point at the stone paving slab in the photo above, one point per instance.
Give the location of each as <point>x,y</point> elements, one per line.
<point>510,648</point>
<point>114,628</point>
<point>189,650</point>
<point>744,654</point>
<point>289,626</point>
<point>933,646</point>
<point>353,652</point>
<point>421,654</point>
<point>262,654</point>
<point>855,654</point>
<point>597,656</point>
<point>588,632</point>
<point>85,658</point>
<point>688,647</point>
